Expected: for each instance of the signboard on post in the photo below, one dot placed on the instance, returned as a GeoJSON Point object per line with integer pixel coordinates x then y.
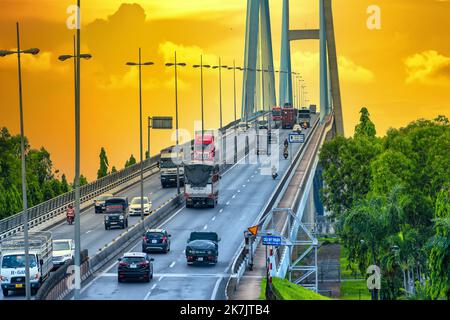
{"type": "Point", "coordinates": [162, 122]}
{"type": "Point", "coordinates": [271, 241]}
{"type": "Point", "coordinates": [296, 138]}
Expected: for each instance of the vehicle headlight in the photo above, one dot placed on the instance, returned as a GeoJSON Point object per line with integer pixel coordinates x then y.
{"type": "Point", "coordinates": [106, 218]}
{"type": "Point", "coordinates": [121, 217]}
{"type": "Point", "coordinates": [209, 252]}
{"type": "Point", "coordinates": [68, 255]}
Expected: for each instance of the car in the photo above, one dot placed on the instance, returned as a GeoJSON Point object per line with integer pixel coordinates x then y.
{"type": "Point", "coordinates": [135, 266]}
{"type": "Point", "coordinates": [135, 206]}
{"type": "Point", "coordinates": [297, 128]}
{"type": "Point", "coordinates": [156, 239]}
{"type": "Point", "coordinates": [263, 124]}
{"type": "Point", "coordinates": [202, 247]}
{"type": "Point", "coordinates": [116, 213]}
{"type": "Point", "coordinates": [99, 202]}
{"type": "Point", "coordinates": [63, 252]}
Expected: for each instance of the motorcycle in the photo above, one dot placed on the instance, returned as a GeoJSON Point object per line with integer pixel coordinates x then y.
{"type": "Point", "coordinates": [285, 153]}
{"type": "Point", "coordinates": [274, 173]}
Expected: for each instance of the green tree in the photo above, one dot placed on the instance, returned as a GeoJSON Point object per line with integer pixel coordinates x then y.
{"type": "Point", "coordinates": [83, 180]}
{"type": "Point", "coordinates": [439, 256]}
{"type": "Point", "coordinates": [365, 128]}
{"type": "Point", "coordinates": [130, 162]}
{"type": "Point", "coordinates": [64, 185]}
{"type": "Point", "coordinates": [113, 170]}
{"type": "Point", "coordinates": [103, 170]}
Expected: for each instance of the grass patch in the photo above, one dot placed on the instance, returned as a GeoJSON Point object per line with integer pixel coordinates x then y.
{"type": "Point", "coordinates": [328, 240]}
{"type": "Point", "coordinates": [286, 290]}
{"type": "Point", "coordinates": [354, 290]}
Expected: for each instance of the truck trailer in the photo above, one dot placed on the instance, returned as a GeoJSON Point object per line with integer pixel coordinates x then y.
{"type": "Point", "coordinates": [201, 185]}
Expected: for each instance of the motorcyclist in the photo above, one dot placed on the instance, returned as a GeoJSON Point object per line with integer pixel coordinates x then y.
{"type": "Point", "coordinates": [285, 152]}
{"type": "Point", "coordinates": [286, 143]}
{"type": "Point", "coordinates": [70, 213]}
{"type": "Point", "coordinates": [274, 172]}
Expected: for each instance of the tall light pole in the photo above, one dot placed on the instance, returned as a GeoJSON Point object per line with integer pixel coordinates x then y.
{"type": "Point", "coordinates": [140, 64]}
{"type": "Point", "coordinates": [4, 53]}
{"type": "Point", "coordinates": [176, 64]}
{"type": "Point", "coordinates": [235, 111]}
{"type": "Point", "coordinates": [201, 66]}
{"type": "Point", "coordinates": [76, 58]}
{"type": "Point", "coordinates": [220, 66]}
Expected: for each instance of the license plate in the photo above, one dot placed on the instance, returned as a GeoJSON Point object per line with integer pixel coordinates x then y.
{"type": "Point", "coordinates": [133, 266]}
{"type": "Point", "coordinates": [154, 241]}
{"type": "Point", "coordinates": [113, 222]}
{"type": "Point", "coordinates": [200, 259]}
{"type": "Point", "coordinates": [19, 285]}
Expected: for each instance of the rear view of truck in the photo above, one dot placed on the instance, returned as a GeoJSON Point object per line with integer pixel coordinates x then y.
{"type": "Point", "coordinates": [201, 185]}
{"type": "Point", "coordinates": [12, 261]}
{"type": "Point", "coordinates": [168, 167]}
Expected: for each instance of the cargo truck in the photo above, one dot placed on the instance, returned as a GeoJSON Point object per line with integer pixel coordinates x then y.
{"type": "Point", "coordinates": [207, 147]}
{"type": "Point", "coordinates": [304, 118]}
{"type": "Point", "coordinates": [288, 117]}
{"type": "Point", "coordinates": [201, 185]}
{"type": "Point", "coordinates": [12, 261]}
{"type": "Point", "coordinates": [168, 167]}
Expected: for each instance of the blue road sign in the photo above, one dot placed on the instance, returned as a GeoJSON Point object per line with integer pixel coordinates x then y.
{"type": "Point", "coordinates": [271, 241]}
{"type": "Point", "coordinates": [296, 137]}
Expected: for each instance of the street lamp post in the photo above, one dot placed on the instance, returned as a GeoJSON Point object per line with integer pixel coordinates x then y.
{"type": "Point", "coordinates": [4, 53]}
{"type": "Point", "coordinates": [176, 64]}
{"type": "Point", "coordinates": [140, 64]}
{"type": "Point", "coordinates": [201, 66]}
{"type": "Point", "coordinates": [76, 58]}
{"type": "Point", "coordinates": [235, 111]}
{"type": "Point", "coordinates": [220, 66]}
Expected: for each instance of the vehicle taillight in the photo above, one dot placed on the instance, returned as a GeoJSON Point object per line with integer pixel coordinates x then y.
{"type": "Point", "coordinates": [145, 238]}
{"type": "Point", "coordinates": [143, 263]}
{"type": "Point", "coordinates": [186, 195]}
{"type": "Point", "coordinates": [123, 264]}
{"type": "Point", "coordinates": [164, 239]}
{"type": "Point", "coordinates": [211, 195]}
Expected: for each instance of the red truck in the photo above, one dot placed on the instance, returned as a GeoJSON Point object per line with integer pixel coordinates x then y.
{"type": "Point", "coordinates": [288, 115]}
{"type": "Point", "coordinates": [207, 147]}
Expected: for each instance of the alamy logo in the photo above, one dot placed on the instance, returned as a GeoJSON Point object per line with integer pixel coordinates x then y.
{"type": "Point", "coordinates": [374, 19]}
{"type": "Point", "coordinates": [374, 280]}
{"type": "Point", "coordinates": [71, 280]}
{"type": "Point", "coordinates": [73, 21]}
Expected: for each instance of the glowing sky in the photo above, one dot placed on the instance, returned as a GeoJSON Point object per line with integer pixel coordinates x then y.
{"type": "Point", "coordinates": [400, 73]}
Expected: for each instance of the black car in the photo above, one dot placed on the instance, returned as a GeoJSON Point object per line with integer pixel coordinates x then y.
{"type": "Point", "coordinates": [156, 239]}
{"type": "Point", "coordinates": [202, 247]}
{"type": "Point", "coordinates": [100, 202]}
{"type": "Point", "coordinates": [263, 124]}
{"type": "Point", "coordinates": [116, 212]}
{"type": "Point", "coordinates": [136, 266]}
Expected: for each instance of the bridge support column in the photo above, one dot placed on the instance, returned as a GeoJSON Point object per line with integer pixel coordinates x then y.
{"type": "Point", "coordinates": [285, 63]}
{"type": "Point", "coordinates": [324, 104]}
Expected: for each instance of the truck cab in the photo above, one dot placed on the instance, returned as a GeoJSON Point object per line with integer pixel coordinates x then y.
{"type": "Point", "coordinates": [168, 167]}
{"type": "Point", "coordinates": [12, 262]}
{"type": "Point", "coordinates": [116, 212]}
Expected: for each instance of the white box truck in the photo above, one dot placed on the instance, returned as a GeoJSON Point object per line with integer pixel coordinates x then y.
{"type": "Point", "coordinates": [201, 185]}
{"type": "Point", "coordinates": [12, 261]}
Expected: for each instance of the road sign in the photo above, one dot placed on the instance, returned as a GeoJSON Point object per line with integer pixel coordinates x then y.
{"type": "Point", "coordinates": [253, 230]}
{"type": "Point", "coordinates": [296, 138]}
{"type": "Point", "coordinates": [162, 122]}
{"type": "Point", "coordinates": [271, 241]}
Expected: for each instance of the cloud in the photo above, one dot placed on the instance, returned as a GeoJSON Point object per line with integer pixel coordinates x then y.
{"type": "Point", "coordinates": [348, 70]}
{"type": "Point", "coordinates": [35, 63]}
{"type": "Point", "coordinates": [129, 80]}
{"type": "Point", "coordinates": [428, 67]}
{"type": "Point", "coordinates": [189, 54]}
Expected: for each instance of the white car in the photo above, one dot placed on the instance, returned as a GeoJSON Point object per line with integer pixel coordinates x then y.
{"type": "Point", "coordinates": [135, 206]}
{"type": "Point", "coordinates": [63, 251]}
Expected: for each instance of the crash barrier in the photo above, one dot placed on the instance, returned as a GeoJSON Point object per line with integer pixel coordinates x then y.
{"type": "Point", "coordinates": [241, 261]}
{"type": "Point", "coordinates": [61, 287]}
{"type": "Point", "coordinates": [56, 282]}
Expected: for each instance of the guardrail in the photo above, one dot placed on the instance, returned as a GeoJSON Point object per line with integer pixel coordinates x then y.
{"type": "Point", "coordinates": [241, 261]}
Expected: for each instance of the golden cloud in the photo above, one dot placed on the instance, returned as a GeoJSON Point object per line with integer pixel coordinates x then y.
{"type": "Point", "coordinates": [35, 63]}
{"type": "Point", "coordinates": [428, 67]}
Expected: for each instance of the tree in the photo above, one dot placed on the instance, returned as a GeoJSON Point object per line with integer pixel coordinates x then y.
{"type": "Point", "coordinates": [83, 180]}
{"type": "Point", "coordinates": [130, 162]}
{"type": "Point", "coordinates": [64, 185]}
{"type": "Point", "coordinates": [439, 256]}
{"type": "Point", "coordinates": [113, 170]}
{"type": "Point", "coordinates": [103, 170]}
{"type": "Point", "coordinates": [365, 127]}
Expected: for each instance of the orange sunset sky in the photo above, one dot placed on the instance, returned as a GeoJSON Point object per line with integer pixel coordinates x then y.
{"type": "Point", "coordinates": [400, 72]}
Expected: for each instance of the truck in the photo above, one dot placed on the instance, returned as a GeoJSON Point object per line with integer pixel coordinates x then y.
{"type": "Point", "coordinates": [313, 108]}
{"type": "Point", "coordinates": [168, 167]}
{"type": "Point", "coordinates": [12, 261]}
{"type": "Point", "coordinates": [202, 247]}
{"type": "Point", "coordinates": [201, 184]}
{"type": "Point", "coordinates": [207, 146]}
{"type": "Point", "coordinates": [304, 117]}
{"type": "Point", "coordinates": [288, 117]}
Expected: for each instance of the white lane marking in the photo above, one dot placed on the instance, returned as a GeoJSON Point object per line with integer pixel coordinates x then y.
{"type": "Point", "coordinates": [160, 278]}
{"type": "Point", "coordinates": [228, 203]}
{"type": "Point", "coordinates": [252, 176]}
{"type": "Point", "coordinates": [88, 231]}
{"type": "Point", "coordinates": [205, 227]}
{"type": "Point", "coordinates": [216, 287]}
{"type": "Point", "coordinates": [234, 196]}
{"type": "Point", "coordinates": [147, 295]}
{"type": "Point", "coordinates": [172, 264]}
{"type": "Point", "coordinates": [213, 218]}
{"type": "Point", "coordinates": [221, 210]}
{"type": "Point", "coordinates": [154, 286]}
{"type": "Point", "coordinates": [244, 185]}
{"type": "Point", "coordinates": [248, 180]}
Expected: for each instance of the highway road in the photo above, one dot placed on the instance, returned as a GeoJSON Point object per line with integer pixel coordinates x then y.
{"type": "Point", "coordinates": [244, 192]}
{"type": "Point", "coordinates": [242, 186]}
